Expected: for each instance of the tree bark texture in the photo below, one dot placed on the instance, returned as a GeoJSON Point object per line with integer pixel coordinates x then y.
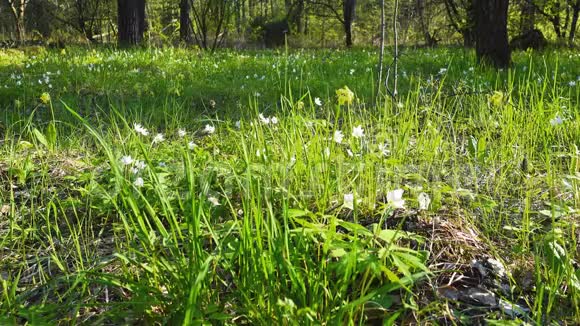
{"type": "Point", "coordinates": [348, 11]}
{"type": "Point", "coordinates": [185, 33]}
{"type": "Point", "coordinates": [130, 21]}
{"type": "Point", "coordinates": [492, 45]}
{"type": "Point", "coordinates": [574, 23]}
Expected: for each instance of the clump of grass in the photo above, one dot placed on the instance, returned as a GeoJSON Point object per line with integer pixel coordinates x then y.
{"type": "Point", "coordinates": [280, 202]}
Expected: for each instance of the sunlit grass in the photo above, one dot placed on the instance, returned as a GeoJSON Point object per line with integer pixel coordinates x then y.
{"type": "Point", "coordinates": [167, 186]}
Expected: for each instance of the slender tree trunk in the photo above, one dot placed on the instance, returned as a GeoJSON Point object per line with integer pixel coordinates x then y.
{"type": "Point", "coordinates": [555, 20]}
{"type": "Point", "coordinates": [469, 31]}
{"type": "Point", "coordinates": [528, 16]}
{"type": "Point", "coordinates": [299, 16]}
{"type": "Point", "coordinates": [185, 22]}
{"type": "Point", "coordinates": [348, 10]}
{"type": "Point", "coordinates": [18, 8]}
{"type": "Point", "coordinates": [574, 23]}
{"type": "Point", "coordinates": [382, 49]}
{"type": "Point", "coordinates": [429, 39]}
{"type": "Point", "coordinates": [130, 21]}
{"type": "Point", "coordinates": [238, 17]}
{"type": "Point", "coordinates": [491, 32]}
{"type": "Point", "coordinates": [396, 53]}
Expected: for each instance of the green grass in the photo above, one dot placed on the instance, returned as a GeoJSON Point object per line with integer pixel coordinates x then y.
{"type": "Point", "coordinates": [253, 223]}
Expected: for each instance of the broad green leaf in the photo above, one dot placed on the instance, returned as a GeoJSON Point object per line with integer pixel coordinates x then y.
{"type": "Point", "coordinates": [40, 137]}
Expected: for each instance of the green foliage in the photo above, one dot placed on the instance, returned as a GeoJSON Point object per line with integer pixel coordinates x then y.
{"type": "Point", "coordinates": [235, 200]}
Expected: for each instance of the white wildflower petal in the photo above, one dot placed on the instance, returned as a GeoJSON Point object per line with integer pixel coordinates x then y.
{"type": "Point", "coordinates": [338, 136]}
{"type": "Point", "coordinates": [191, 145]}
{"type": "Point", "coordinates": [263, 119]}
{"type": "Point", "coordinates": [384, 149]}
{"type": "Point", "coordinates": [317, 101]}
{"type": "Point", "coordinates": [140, 130]}
{"type": "Point", "coordinates": [556, 121]}
{"type": "Point", "coordinates": [424, 201]}
{"type": "Point", "coordinates": [395, 198]}
{"type": "Point", "coordinates": [348, 201]}
{"type": "Point", "coordinates": [181, 133]}
{"type": "Point", "coordinates": [209, 129]}
{"type": "Point", "coordinates": [140, 165]}
{"type": "Point", "coordinates": [358, 132]}
{"type": "Point", "coordinates": [127, 160]}
{"type": "Point", "coordinates": [274, 120]}
{"type": "Point", "coordinates": [158, 138]}
{"type": "Point", "coordinates": [139, 182]}
{"type": "Point", "coordinates": [214, 201]}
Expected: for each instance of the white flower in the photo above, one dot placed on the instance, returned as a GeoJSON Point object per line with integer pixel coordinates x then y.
{"type": "Point", "coordinates": [191, 145]}
{"type": "Point", "coordinates": [348, 201]}
{"type": "Point", "coordinates": [349, 152]}
{"type": "Point", "coordinates": [214, 201]}
{"type": "Point", "coordinates": [140, 130]}
{"type": "Point", "coordinates": [383, 148]}
{"type": "Point", "coordinates": [209, 129]}
{"type": "Point", "coordinates": [424, 201]}
{"type": "Point", "coordinates": [317, 101]}
{"type": "Point", "coordinates": [274, 120]}
{"type": "Point", "coordinates": [358, 132]}
{"type": "Point", "coordinates": [572, 83]}
{"type": "Point", "coordinates": [400, 105]}
{"type": "Point", "coordinates": [139, 182]}
{"type": "Point", "coordinates": [395, 198]}
{"type": "Point", "coordinates": [293, 159]}
{"type": "Point", "coordinates": [338, 136]}
{"type": "Point", "coordinates": [158, 138]}
{"type": "Point", "coordinates": [263, 119]}
{"type": "Point", "coordinates": [181, 133]}
{"type": "Point", "coordinates": [140, 165]}
{"type": "Point", "coordinates": [134, 170]}
{"type": "Point", "coordinates": [127, 160]}
{"type": "Point", "coordinates": [238, 124]}
{"type": "Point", "coordinates": [442, 71]}
{"type": "Point", "coordinates": [556, 121]}
{"type": "Point", "coordinates": [351, 71]}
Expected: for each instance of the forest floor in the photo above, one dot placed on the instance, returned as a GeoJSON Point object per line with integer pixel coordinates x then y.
{"type": "Point", "coordinates": [168, 186]}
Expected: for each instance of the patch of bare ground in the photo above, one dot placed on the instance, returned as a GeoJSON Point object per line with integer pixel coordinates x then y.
{"type": "Point", "coordinates": [470, 281]}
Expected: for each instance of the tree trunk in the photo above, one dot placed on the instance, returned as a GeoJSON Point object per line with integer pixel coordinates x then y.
{"type": "Point", "coordinates": [18, 8]}
{"type": "Point", "coordinates": [131, 21]}
{"type": "Point", "coordinates": [491, 32]}
{"type": "Point", "coordinates": [574, 23]}
{"type": "Point", "coordinates": [348, 11]}
{"type": "Point", "coordinates": [185, 22]}
{"type": "Point", "coordinates": [429, 39]}
{"type": "Point", "coordinates": [20, 32]}
{"type": "Point", "coordinates": [528, 16]}
{"type": "Point", "coordinates": [469, 30]}
{"type": "Point", "coordinates": [299, 15]}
